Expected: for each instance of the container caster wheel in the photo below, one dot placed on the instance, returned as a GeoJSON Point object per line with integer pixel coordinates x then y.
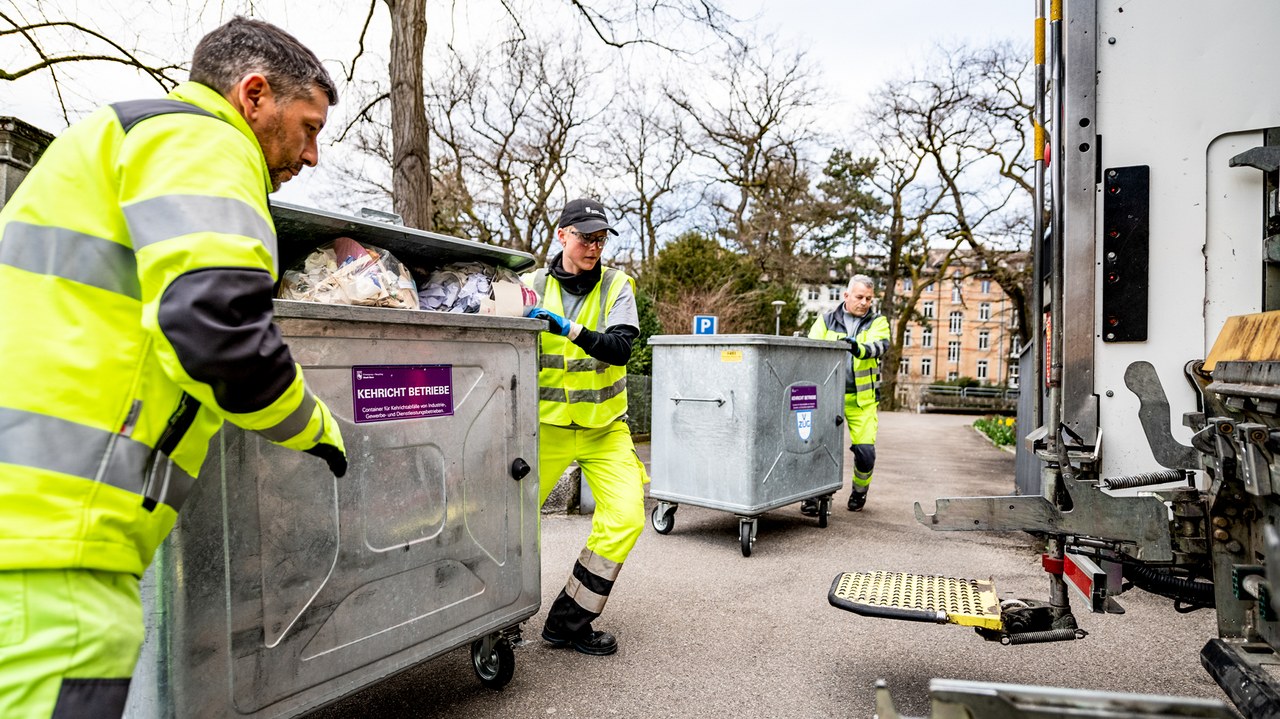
{"type": "Point", "coordinates": [663, 518]}
{"type": "Point", "coordinates": [494, 660]}
{"type": "Point", "coordinates": [824, 511]}
{"type": "Point", "coordinates": [747, 535]}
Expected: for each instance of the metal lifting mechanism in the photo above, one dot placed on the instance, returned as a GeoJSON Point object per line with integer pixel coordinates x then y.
{"type": "Point", "coordinates": [1198, 520]}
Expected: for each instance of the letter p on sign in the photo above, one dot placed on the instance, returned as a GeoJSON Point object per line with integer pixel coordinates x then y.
{"type": "Point", "coordinates": [704, 324]}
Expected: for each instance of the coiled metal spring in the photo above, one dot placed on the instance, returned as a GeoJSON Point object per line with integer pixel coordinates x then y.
{"type": "Point", "coordinates": [1144, 479]}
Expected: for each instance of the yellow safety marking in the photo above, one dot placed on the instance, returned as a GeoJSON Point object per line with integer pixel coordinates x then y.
{"type": "Point", "coordinates": [731, 355]}
{"type": "Point", "coordinates": [1039, 41]}
{"type": "Point", "coordinates": [1055, 10]}
{"type": "Point", "coordinates": [1038, 142]}
{"type": "Point", "coordinates": [967, 602]}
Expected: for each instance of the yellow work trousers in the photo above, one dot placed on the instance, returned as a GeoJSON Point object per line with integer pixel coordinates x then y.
{"type": "Point", "coordinates": [69, 639]}
{"type": "Point", "coordinates": [863, 423]}
{"type": "Point", "coordinates": [611, 469]}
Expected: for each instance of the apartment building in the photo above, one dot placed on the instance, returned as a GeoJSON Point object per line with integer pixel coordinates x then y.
{"type": "Point", "coordinates": [964, 325]}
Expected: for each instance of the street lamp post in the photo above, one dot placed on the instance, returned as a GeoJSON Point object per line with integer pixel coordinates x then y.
{"type": "Point", "coordinates": [777, 315]}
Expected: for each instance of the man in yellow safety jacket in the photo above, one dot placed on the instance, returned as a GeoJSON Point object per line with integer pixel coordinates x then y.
{"type": "Point", "coordinates": [867, 333]}
{"type": "Point", "coordinates": [582, 387]}
{"type": "Point", "coordinates": [141, 252]}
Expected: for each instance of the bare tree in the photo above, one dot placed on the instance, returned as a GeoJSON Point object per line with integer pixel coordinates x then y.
{"type": "Point", "coordinates": [647, 143]}
{"type": "Point", "coordinates": [617, 23]}
{"type": "Point", "coordinates": [757, 141]}
{"type": "Point", "coordinates": [44, 40]}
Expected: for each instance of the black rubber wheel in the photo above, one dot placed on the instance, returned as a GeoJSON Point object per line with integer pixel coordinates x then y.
{"type": "Point", "coordinates": [495, 667]}
{"type": "Point", "coordinates": [744, 535]}
{"type": "Point", "coordinates": [824, 511]}
{"type": "Point", "coordinates": [663, 522]}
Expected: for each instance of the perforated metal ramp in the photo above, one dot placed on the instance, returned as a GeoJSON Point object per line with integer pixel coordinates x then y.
{"type": "Point", "coordinates": [918, 598]}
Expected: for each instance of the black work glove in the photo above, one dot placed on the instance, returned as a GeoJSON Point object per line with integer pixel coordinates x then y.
{"type": "Point", "coordinates": [331, 454]}
{"type": "Point", "coordinates": [856, 347]}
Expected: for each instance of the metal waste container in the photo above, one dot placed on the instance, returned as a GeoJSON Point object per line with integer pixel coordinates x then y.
{"type": "Point", "coordinates": [282, 588]}
{"type": "Point", "coordinates": [745, 424]}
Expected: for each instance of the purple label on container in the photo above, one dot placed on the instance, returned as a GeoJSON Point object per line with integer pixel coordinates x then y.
{"type": "Point", "coordinates": [381, 393]}
{"type": "Point", "coordinates": [804, 396]}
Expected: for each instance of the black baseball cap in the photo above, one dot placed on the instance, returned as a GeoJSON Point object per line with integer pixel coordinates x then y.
{"type": "Point", "coordinates": [585, 215]}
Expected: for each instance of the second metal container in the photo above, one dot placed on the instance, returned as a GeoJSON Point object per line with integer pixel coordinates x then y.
{"type": "Point", "coordinates": [746, 424]}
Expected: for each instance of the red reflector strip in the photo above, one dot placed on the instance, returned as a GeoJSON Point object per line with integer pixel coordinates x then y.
{"type": "Point", "coordinates": [1051, 565]}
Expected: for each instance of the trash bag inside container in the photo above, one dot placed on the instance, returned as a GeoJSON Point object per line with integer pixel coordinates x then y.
{"type": "Point", "coordinates": [475, 288]}
{"type": "Point", "coordinates": [345, 272]}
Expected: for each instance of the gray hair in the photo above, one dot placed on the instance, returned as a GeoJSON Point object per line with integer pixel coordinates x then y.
{"type": "Point", "coordinates": [861, 280]}
{"type": "Point", "coordinates": [243, 46]}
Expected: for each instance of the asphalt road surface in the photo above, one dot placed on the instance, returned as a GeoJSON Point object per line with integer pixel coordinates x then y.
{"type": "Point", "coordinates": [706, 632]}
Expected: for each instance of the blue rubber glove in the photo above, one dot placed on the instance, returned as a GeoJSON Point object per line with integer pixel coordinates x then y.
{"type": "Point", "coordinates": [556, 324]}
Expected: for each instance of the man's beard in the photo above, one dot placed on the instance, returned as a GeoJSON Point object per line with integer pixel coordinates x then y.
{"type": "Point", "coordinates": [274, 134]}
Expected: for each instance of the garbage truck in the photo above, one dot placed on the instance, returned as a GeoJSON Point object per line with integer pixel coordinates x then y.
{"type": "Point", "coordinates": [1148, 447]}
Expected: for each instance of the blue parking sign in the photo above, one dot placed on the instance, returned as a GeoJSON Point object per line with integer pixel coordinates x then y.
{"type": "Point", "coordinates": [704, 324]}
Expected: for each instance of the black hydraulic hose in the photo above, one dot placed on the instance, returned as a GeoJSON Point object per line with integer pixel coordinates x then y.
{"type": "Point", "coordinates": [1182, 589]}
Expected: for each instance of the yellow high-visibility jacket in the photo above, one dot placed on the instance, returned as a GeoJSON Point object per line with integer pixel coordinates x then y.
{"type": "Point", "coordinates": [862, 375]}
{"type": "Point", "coordinates": [137, 263]}
{"type": "Point", "coordinates": [575, 389]}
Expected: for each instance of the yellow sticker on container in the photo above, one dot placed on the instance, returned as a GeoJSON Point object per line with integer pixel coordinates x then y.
{"type": "Point", "coordinates": [730, 355]}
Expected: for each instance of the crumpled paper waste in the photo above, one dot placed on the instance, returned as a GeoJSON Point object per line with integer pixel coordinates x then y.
{"type": "Point", "coordinates": [475, 288]}
{"type": "Point", "coordinates": [345, 272]}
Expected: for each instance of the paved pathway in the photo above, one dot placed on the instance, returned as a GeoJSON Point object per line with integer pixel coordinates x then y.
{"type": "Point", "coordinates": [705, 632]}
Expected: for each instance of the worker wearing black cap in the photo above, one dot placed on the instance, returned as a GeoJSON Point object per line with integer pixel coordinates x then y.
{"type": "Point", "coordinates": [592, 322]}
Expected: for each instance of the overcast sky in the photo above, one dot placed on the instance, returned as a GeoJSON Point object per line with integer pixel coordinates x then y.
{"type": "Point", "coordinates": [856, 45]}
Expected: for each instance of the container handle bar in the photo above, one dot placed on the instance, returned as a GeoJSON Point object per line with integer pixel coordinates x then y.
{"type": "Point", "coordinates": [718, 400]}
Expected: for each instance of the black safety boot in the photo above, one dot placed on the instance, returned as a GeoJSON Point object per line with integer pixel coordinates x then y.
{"type": "Point", "coordinates": [857, 500]}
{"type": "Point", "coordinates": [591, 642]}
{"type": "Point", "coordinates": [809, 507]}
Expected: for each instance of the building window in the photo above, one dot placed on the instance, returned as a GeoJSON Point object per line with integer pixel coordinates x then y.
{"type": "Point", "coordinates": [953, 351]}
{"type": "Point", "coordinates": [926, 309]}
{"type": "Point", "coordinates": [926, 337]}
{"type": "Point", "coordinates": [926, 366]}
{"type": "Point", "coordinates": [955, 292]}
{"type": "Point", "coordinates": [833, 292]}
{"type": "Point", "coordinates": [956, 320]}
{"type": "Point", "coordinates": [984, 340]}
{"type": "Point", "coordinates": [1017, 345]}
{"type": "Point", "coordinates": [984, 311]}
{"type": "Point", "coordinates": [952, 376]}
{"type": "Point", "coordinates": [906, 337]}
{"type": "Point", "coordinates": [904, 366]}
{"type": "Point", "coordinates": [928, 289]}
{"type": "Point", "coordinates": [1013, 376]}
{"type": "Point", "coordinates": [982, 370]}
{"type": "Point", "coordinates": [906, 284]}
{"type": "Point", "coordinates": [986, 287]}
{"type": "Point", "coordinates": [813, 294]}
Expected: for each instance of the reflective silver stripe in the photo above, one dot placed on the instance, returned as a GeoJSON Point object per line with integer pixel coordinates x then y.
{"type": "Point", "coordinates": [551, 361]}
{"type": "Point", "coordinates": [585, 365]}
{"type": "Point", "coordinates": [28, 439]}
{"type": "Point", "coordinates": [293, 424]}
{"type": "Point", "coordinates": [551, 394]}
{"type": "Point", "coordinates": [170, 484]}
{"type": "Point", "coordinates": [169, 216]}
{"type": "Point", "coordinates": [585, 598]}
{"type": "Point", "coordinates": [863, 373]}
{"type": "Point", "coordinates": [598, 396]}
{"type": "Point", "coordinates": [599, 566]}
{"type": "Point", "coordinates": [70, 255]}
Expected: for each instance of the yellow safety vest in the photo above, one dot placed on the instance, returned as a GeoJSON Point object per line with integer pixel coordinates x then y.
{"type": "Point", "coordinates": [102, 427]}
{"type": "Point", "coordinates": [575, 389]}
{"type": "Point", "coordinates": [866, 371]}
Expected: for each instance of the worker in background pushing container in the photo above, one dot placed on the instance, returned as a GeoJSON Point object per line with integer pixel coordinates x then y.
{"type": "Point", "coordinates": [141, 251]}
{"type": "Point", "coordinates": [592, 322]}
{"type": "Point", "coordinates": [867, 333]}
